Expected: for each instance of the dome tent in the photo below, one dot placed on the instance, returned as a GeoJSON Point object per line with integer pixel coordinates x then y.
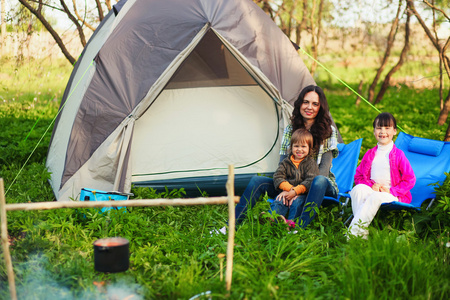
{"type": "Point", "coordinates": [169, 93]}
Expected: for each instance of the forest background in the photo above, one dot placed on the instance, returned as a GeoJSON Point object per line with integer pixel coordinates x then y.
{"type": "Point", "coordinates": [367, 55]}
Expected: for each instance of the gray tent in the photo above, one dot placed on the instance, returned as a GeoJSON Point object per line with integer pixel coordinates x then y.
{"type": "Point", "coordinates": [170, 92]}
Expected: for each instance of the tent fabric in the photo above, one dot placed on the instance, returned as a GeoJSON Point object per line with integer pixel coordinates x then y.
{"type": "Point", "coordinates": [141, 53]}
{"type": "Point", "coordinates": [77, 85]}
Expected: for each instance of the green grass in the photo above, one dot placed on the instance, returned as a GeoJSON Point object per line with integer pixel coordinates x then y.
{"type": "Point", "coordinates": [172, 255]}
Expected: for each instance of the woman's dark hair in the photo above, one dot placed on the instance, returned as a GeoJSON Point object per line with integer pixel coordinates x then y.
{"type": "Point", "coordinates": [385, 119]}
{"type": "Point", "coordinates": [321, 129]}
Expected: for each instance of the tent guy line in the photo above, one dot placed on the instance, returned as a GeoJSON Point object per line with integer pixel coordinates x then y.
{"type": "Point", "coordinates": [84, 73]}
{"type": "Point", "coordinates": [345, 84]}
{"type": "Point", "coordinates": [45, 132]}
{"type": "Point", "coordinates": [37, 121]}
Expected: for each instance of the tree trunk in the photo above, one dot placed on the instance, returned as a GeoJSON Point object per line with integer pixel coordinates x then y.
{"type": "Point", "coordinates": [390, 43]}
{"type": "Point", "coordinates": [74, 21]}
{"type": "Point", "coordinates": [291, 17]}
{"type": "Point", "coordinates": [315, 37]}
{"type": "Point", "coordinates": [3, 28]}
{"type": "Point", "coordinates": [358, 99]}
{"type": "Point", "coordinates": [99, 10]}
{"type": "Point", "coordinates": [444, 111]}
{"type": "Point", "coordinates": [447, 134]}
{"type": "Point", "coordinates": [445, 106]}
{"type": "Point", "coordinates": [400, 62]}
{"type": "Point", "coordinates": [302, 25]}
{"type": "Point", "coordinates": [443, 115]}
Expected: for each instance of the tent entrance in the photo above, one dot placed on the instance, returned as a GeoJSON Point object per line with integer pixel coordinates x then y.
{"type": "Point", "coordinates": [211, 114]}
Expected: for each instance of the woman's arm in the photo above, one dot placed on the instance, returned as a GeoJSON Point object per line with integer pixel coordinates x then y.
{"type": "Point", "coordinates": [328, 150]}
{"type": "Point", "coordinates": [285, 141]}
{"type": "Point", "coordinates": [325, 164]}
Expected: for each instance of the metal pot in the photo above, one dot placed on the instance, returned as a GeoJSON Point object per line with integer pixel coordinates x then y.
{"type": "Point", "coordinates": [111, 255]}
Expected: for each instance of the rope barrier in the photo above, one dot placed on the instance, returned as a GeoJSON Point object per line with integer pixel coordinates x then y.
{"type": "Point", "coordinates": [345, 84]}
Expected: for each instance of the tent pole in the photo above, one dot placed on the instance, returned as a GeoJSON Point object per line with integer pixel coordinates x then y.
{"type": "Point", "coordinates": [5, 243]}
{"type": "Point", "coordinates": [231, 226]}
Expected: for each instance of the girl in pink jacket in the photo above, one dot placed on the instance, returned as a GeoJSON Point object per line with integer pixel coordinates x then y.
{"type": "Point", "coordinates": [384, 175]}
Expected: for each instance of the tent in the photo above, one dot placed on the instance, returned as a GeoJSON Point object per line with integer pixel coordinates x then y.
{"type": "Point", "coordinates": [169, 93]}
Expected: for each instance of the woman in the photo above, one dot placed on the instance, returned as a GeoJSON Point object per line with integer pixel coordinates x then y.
{"type": "Point", "coordinates": [312, 113]}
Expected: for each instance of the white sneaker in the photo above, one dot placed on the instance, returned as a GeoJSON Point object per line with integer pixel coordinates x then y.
{"type": "Point", "coordinates": [222, 230]}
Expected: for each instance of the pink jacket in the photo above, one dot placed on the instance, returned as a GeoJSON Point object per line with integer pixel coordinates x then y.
{"type": "Point", "coordinates": [402, 174]}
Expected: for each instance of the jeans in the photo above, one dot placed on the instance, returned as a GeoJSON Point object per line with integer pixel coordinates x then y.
{"type": "Point", "coordinates": [281, 209]}
{"type": "Point", "coordinates": [320, 187]}
{"type": "Point", "coordinates": [258, 185]}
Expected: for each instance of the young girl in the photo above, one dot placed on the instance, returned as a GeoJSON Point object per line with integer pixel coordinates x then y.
{"type": "Point", "coordinates": [384, 175]}
{"type": "Point", "coordinates": [294, 175]}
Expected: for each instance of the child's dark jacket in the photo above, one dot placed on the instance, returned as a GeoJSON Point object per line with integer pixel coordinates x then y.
{"type": "Point", "coordinates": [304, 175]}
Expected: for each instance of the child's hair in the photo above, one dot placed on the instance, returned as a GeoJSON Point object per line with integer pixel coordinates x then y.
{"type": "Point", "coordinates": [385, 119]}
{"type": "Point", "coordinates": [302, 136]}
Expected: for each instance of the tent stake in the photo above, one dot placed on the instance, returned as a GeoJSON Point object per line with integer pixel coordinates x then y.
{"type": "Point", "coordinates": [231, 226]}
{"type": "Point", "coordinates": [5, 243]}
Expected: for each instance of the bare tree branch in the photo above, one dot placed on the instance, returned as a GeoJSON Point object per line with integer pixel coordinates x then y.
{"type": "Point", "coordinates": [83, 20]}
{"type": "Point", "coordinates": [74, 21]}
{"type": "Point", "coordinates": [99, 10]}
{"type": "Point", "coordinates": [49, 27]}
{"type": "Point", "coordinates": [436, 8]}
{"type": "Point", "coordinates": [302, 25]}
{"type": "Point", "coordinates": [108, 4]}
{"type": "Point", "coordinates": [387, 53]}
{"type": "Point", "coordinates": [399, 64]}
{"type": "Point", "coordinates": [46, 4]}
{"type": "Point", "coordinates": [444, 60]}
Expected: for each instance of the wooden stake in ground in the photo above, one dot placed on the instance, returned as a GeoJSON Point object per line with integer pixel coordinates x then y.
{"type": "Point", "coordinates": [231, 225]}
{"type": "Point", "coordinates": [230, 199]}
{"type": "Point", "coordinates": [5, 243]}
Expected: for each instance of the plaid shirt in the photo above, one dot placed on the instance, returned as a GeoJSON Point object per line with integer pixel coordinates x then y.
{"type": "Point", "coordinates": [330, 144]}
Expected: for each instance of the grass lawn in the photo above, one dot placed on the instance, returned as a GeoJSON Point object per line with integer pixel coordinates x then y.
{"type": "Point", "coordinates": [173, 256]}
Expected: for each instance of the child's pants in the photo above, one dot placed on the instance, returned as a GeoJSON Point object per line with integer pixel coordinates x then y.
{"type": "Point", "coordinates": [281, 209]}
{"type": "Point", "coordinates": [365, 205]}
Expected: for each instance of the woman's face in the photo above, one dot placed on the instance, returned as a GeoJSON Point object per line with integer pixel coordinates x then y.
{"type": "Point", "coordinates": [310, 106]}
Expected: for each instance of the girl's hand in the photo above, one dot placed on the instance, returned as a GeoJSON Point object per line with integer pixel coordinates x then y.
{"type": "Point", "coordinates": [384, 189]}
{"type": "Point", "coordinates": [376, 187]}
{"type": "Point", "coordinates": [288, 203]}
{"type": "Point", "coordinates": [287, 197]}
{"type": "Point", "coordinates": [282, 196]}
{"type": "Point", "coordinates": [291, 195]}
